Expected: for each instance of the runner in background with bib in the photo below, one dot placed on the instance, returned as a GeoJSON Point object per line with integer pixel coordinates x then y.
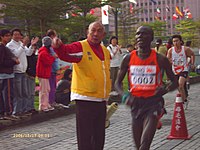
{"type": "Point", "coordinates": [144, 67]}
{"type": "Point", "coordinates": [178, 56]}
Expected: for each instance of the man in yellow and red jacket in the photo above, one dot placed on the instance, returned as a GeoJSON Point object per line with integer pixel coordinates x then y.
{"type": "Point", "coordinates": [90, 84]}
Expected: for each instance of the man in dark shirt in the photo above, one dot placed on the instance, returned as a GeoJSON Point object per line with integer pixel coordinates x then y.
{"type": "Point", "coordinates": [7, 61]}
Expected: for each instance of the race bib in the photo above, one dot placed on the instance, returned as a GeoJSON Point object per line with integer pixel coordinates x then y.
{"type": "Point", "coordinates": [143, 77]}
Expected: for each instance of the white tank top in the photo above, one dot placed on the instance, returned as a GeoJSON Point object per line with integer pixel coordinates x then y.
{"type": "Point", "coordinates": [179, 61]}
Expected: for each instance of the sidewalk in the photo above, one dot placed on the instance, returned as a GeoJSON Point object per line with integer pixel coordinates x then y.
{"type": "Point", "coordinates": [61, 131]}
{"type": "Point", "coordinates": [118, 136]}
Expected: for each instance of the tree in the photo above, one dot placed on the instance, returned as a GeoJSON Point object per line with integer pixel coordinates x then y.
{"type": "Point", "coordinates": [189, 30]}
{"type": "Point", "coordinates": [159, 28]}
{"type": "Point", "coordinates": [115, 6]}
{"type": "Point", "coordinates": [34, 15]}
{"type": "Point", "coordinates": [127, 21]}
{"type": "Point", "coordinates": [73, 27]}
{"type": "Point", "coordinates": [82, 8]}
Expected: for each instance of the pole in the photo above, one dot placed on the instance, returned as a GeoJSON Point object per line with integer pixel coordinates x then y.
{"type": "Point", "coordinates": [116, 21]}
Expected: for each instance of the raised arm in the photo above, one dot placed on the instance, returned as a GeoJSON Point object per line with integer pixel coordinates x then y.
{"type": "Point", "coordinates": [68, 52]}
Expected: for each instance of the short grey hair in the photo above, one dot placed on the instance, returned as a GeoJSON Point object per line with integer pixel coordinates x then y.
{"type": "Point", "coordinates": [96, 22]}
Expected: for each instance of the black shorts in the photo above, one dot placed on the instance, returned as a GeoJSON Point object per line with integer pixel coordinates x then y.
{"type": "Point", "coordinates": [183, 74]}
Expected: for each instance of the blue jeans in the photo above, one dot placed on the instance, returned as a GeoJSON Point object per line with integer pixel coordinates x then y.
{"type": "Point", "coordinates": [20, 93]}
{"type": "Point", "coordinates": [31, 92]}
{"type": "Point", "coordinates": [6, 96]}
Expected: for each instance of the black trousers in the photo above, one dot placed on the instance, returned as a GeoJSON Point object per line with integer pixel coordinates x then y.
{"type": "Point", "coordinates": [90, 123]}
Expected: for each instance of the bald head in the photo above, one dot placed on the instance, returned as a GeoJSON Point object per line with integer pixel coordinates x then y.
{"type": "Point", "coordinates": [144, 36]}
{"type": "Point", "coordinates": [146, 29]}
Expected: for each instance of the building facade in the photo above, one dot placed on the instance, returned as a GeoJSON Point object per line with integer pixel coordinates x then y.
{"type": "Point", "coordinates": [170, 11]}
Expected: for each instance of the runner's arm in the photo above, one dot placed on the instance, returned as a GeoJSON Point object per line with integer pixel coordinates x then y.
{"type": "Point", "coordinates": [121, 74]}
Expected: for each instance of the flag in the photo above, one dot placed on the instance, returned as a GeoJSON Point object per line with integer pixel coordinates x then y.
{"type": "Point", "coordinates": [133, 1]}
{"type": "Point", "coordinates": [158, 10]}
{"type": "Point", "coordinates": [154, 2]}
{"type": "Point", "coordinates": [131, 8]}
{"type": "Point", "coordinates": [178, 11]}
{"type": "Point", "coordinates": [186, 10]}
{"type": "Point", "coordinates": [165, 18]}
{"type": "Point", "coordinates": [74, 15]}
{"type": "Point", "coordinates": [105, 13]}
{"type": "Point", "coordinates": [167, 8]}
{"type": "Point", "coordinates": [175, 16]}
{"type": "Point", "coordinates": [189, 15]}
{"type": "Point", "coordinates": [157, 18]}
{"type": "Point", "coordinates": [92, 11]}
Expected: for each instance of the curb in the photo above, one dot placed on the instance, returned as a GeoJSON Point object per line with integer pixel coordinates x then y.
{"type": "Point", "coordinates": [36, 118]}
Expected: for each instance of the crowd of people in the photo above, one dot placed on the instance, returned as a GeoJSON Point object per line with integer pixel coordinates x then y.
{"type": "Point", "coordinates": [20, 63]}
{"type": "Point", "coordinates": [98, 73]}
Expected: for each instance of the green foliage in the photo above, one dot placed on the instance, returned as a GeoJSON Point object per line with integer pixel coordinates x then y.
{"type": "Point", "coordinates": [159, 28]}
{"type": "Point", "coordinates": [127, 20]}
{"type": "Point", "coordinates": [74, 27]}
{"type": "Point", "coordinates": [34, 16]}
{"type": "Point", "coordinates": [187, 29]}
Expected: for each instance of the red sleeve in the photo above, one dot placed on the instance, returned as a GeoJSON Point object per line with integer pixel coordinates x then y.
{"type": "Point", "coordinates": [70, 52]}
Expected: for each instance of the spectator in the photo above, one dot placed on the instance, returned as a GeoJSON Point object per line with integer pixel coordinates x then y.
{"type": "Point", "coordinates": [55, 67]}
{"type": "Point", "coordinates": [129, 48]}
{"type": "Point", "coordinates": [63, 89]}
{"type": "Point", "coordinates": [161, 49]}
{"type": "Point", "coordinates": [7, 62]}
{"type": "Point", "coordinates": [43, 72]}
{"type": "Point", "coordinates": [31, 74]}
{"type": "Point", "coordinates": [116, 55]}
{"type": "Point", "coordinates": [169, 44]}
{"type": "Point", "coordinates": [178, 57]}
{"type": "Point", "coordinates": [18, 46]}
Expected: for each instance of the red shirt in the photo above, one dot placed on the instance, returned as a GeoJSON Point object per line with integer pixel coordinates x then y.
{"type": "Point", "coordinates": [144, 75]}
{"type": "Point", "coordinates": [44, 63]}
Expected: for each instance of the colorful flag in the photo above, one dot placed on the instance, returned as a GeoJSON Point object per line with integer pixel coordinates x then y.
{"type": "Point", "coordinates": [167, 8]}
{"type": "Point", "coordinates": [133, 1]}
{"type": "Point", "coordinates": [189, 15]}
{"type": "Point", "coordinates": [131, 8]}
{"type": "Point", "coordinates": [175, 16]}
{"type": "Point", "coordinates": [105, 13]}
{"type": "Point", "coordinates": [178, 11]}
{"type": "Point", "coordinates": [158, 10]}
{"type": "Point", "coordinates": [157, 18]}
{"type": "Point", "coordinates": [74, 15]}
{"type": "Point", "coordinates": [154, 2]}
{"type": "Point", "coordinates": [92, 11]}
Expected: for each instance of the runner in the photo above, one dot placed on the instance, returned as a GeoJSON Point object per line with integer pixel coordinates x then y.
{"type": "Point", "coordinates": [146, 88]}
{"type": "Point", "coordinates": [178, 55]}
